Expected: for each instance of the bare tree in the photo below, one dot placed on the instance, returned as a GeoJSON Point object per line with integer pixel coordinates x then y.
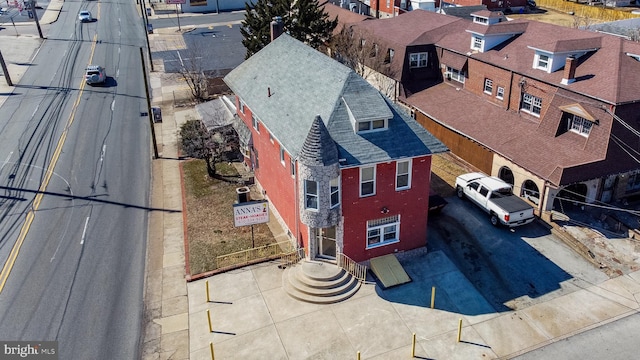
{"type": "Point", "coordinates": [367, 58]}
{"type": "Point", "coordinates": [191, 62]}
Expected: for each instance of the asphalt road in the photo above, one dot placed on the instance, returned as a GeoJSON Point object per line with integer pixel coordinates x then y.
{"type": "Point", "coordinates": [80, 227]}
{"type": "Point", "coordinates": [617, 340]}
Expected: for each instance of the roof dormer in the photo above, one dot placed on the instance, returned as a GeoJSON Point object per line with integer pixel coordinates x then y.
{"type": "Point", "coordinates": [486, 17]}
{"type": "Point", "coordinates": [367, 109]}
{"type": "Point", "coordinates": [553, 56]}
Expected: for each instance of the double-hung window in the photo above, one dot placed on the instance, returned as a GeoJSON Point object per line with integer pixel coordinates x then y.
{"type": "Point", "coordinates": [311, 194]}
{"type": "Point", "coordinates": [256, 122]}
{"type": "Point", "coordinates": [335, 191]}
{"type": "Point", "coordinates": [531, 104]}
{"type": "Point", "coordinates": [500, 93]}
{"type": "Point", "coordinates": [383, 231]}
{"type": "Point", "coordinates": [477, 43]}
{"type": "Point", "coordinates": [282, 155]}
{"type": "Point", "coordinates": [488, 86]}
{"type": "Point", "coordinates": [367, 181]}
{"type": "Point", "coordinates": [403, 175]}
{"type": "Point", "coordinates": [543, 62]}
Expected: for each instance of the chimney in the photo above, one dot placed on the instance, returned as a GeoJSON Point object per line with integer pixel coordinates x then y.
{"type": "Point", "coordinates": [569, 70]}
{"type": "Point", "coordinates": [277, 27]}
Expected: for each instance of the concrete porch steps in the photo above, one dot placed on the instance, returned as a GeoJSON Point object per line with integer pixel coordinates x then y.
{"type": "Point", "coordinates": [319, 282]}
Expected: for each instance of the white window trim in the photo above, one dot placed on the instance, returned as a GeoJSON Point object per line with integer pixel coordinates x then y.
{"type": "Point", "coordinates": [374, 181]}
{"type": "Point", "coordinates": [421, 59]}
{"type": "Point", "coordinates": [530, 111]}
{"type": "Point", "coordinates": [488, 83]}
{"type": "Point", "coordinates": [381, 227]}
{"type": "Point", "coordinates": [477, 42]}
{"type": "Point", "coordinates": [537, 60]}
{"type": "Point", "coordinates": [333, 192]}
{"type": "Point", "coordinates": [455, 74]}
{"type": "Point", "coordinates": [371, 129]}
{"type": "Point", "coordinates": [242, 105]}
{"type": "Point", "coordinates": [293, 168]}
{"type": "Point", "coordinates": [282, 156]}
{"type": "Point", "coordinates": [307, 194]}
{"type": "Point", "coordinates": [582, 121]}
{"type": "Point", "coordinates": [255, 122]}
{"type": "Point", "coordinates": [500, 93]}
{"type": "Point", "coordinates": [409, 162]}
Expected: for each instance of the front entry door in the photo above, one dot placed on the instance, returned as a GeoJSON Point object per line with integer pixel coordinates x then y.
{"type": "Point", "coordinates": [326, 238]}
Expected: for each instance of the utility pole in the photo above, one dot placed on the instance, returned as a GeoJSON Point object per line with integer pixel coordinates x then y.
{"type": "Point", "coordinates": [150, 113]}
{"type": "Point", "coordinates": [32, 5]}
{"type": "Point", "coordinates": [5, 71]}
{"type": "Point", "coordinates": [145, 23]}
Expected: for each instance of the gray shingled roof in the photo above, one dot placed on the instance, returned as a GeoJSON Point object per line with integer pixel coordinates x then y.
{"type": "Point", "coordinates": [319, 149]}
{"type": "Point", "coordinates": [287, 84]}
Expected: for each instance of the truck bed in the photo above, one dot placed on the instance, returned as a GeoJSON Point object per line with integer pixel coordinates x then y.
{"type": "Point", "coordinates": [511, 203]}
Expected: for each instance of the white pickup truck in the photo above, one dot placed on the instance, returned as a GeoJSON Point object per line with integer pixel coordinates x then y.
{"type": "Point", "coordinates": [496, 198]}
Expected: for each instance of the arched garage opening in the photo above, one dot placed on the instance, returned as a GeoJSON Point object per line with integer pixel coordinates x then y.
{"type": "Point", "coordinates": [530, 191]}
{"type": "Point", "coordinates": [570, 198]}
{"type": "Point", "coordinates": [506, 174]}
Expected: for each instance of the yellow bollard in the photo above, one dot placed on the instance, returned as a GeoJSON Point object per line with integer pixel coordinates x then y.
{"type": "Point", "coordinates": [211, 347]}
{"type": "Point", "coordinates": [211, 328]}
{"type": "Point", "coordinates": [206, 283]}
{"type": "Point", "coordinates": [413, 346]}
{"type": "Point", "coordinates": [459, 329]}
{"type": "Point", "coordinates": [358, 355]}
{"type": "Point", "coordinates": [433, 296]}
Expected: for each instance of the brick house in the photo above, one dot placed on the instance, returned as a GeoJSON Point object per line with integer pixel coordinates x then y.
{"type": "Point", "coordinates": [345, 170]}
{"type": "Point", "coordinates": [552, 110]}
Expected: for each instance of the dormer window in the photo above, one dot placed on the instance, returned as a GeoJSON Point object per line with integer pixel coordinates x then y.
{"type": "Point", "coordinates": [480, 20]}
{"type": "Point", "coordinates": [417, 60]}
{"type": "Point", "coordinates": [372, 125]}
{"type": "Point", "coordinates": [579, 125]}
{"type": "Point", "coordinates": [477, 42]}
{"type": "Point", "coordinates": [542, 62]}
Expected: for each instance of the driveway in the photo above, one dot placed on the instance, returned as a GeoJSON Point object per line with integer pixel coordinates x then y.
{"type": "Point", "coordinates": [511, 268]}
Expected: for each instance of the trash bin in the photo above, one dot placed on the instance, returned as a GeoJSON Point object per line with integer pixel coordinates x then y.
{"type": "Point", "coordinates": [157, 114]}
{"type": "Point", "coordinates": [148, 11]}
{"type": "Point", "coordinates": [243, 194]}
{"type": "Point", "coordinates": [149, 28]}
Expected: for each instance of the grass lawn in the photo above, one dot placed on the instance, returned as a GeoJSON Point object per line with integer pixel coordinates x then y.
{"type": "Point", "coordinates": [210, 229]}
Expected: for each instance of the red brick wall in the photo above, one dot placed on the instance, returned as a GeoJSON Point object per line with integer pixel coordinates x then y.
{"type": "Point", "coordinates": [274, 177]}
{"type": "Point", "coordinates": [479, 71]}
{"type": "Point", "coordinates": [412, 205]}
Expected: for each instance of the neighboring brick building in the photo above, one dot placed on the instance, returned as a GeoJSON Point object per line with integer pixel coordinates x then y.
{"type": "Point", "coordinates": [552, 110]}
{"type": "Point", "coordinates": [344, 169]}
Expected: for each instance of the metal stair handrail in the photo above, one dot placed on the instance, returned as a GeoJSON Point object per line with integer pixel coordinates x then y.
{"type": "Point", "coordinates": [357, 270]}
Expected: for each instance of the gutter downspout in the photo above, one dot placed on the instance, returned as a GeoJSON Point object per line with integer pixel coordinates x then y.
{"type": "Point", "coordinates": [297, 194]}
{"type": "Point", "coordinates": [510, 88]}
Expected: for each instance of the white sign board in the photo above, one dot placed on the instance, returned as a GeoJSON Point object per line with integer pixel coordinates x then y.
{"type": "Point", "coordinates": [175, 2]}
{"type": "Point", "coordinates": [250, 213]}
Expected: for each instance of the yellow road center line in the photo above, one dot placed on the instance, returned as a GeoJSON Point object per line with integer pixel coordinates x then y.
{"type": "Point", "coordinates": [24, 230]}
